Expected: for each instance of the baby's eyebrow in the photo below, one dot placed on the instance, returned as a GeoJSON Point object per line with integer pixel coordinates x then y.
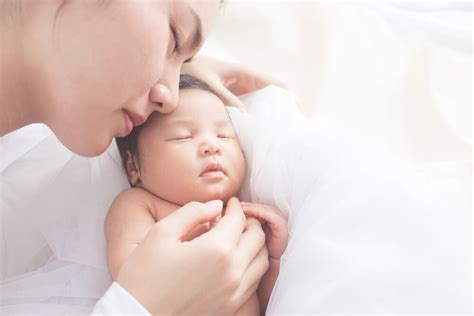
{"type": "Point", "coordinates": [190, 122]}
{"type": "Point", "coordinates": [182, 122]}
{"type": "Point", "coordinates": [221, 123]}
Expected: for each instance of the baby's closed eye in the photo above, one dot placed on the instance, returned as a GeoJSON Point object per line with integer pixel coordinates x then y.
{"type": "Point", "coordinates": [226, 133]}
{"type": "Point", "coordinates": [226, 136]}
{"type": "Point", "coordinates": [180, 138]}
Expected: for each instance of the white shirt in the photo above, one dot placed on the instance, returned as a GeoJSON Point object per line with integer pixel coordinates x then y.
{"type": "Point", "coordinates": [117, 301]}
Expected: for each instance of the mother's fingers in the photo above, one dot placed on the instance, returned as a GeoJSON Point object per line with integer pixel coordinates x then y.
{"type": "Point", "coordinates": [246, 80]}
{"type": "Point", "coordinates": [187, 218]}
{"type": "Point", "coordinates": [227, 97]}
{"type": "Point", "coordinates": [230, 227]}
{"type": "Point", "coordinates": [253, 274]}
{"type": "Point", "coordinates": [252, 240]}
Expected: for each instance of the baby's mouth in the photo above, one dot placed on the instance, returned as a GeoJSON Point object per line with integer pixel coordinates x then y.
{"type": "Point", "coordinates": [213, 170]}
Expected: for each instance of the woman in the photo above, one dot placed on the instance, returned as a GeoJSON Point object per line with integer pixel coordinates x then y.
{"type": "Point", "coordinates": [93, 70]}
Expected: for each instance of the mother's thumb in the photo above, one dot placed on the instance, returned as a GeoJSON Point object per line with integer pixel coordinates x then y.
{"type": "Point", "coordinates": [186, 218]}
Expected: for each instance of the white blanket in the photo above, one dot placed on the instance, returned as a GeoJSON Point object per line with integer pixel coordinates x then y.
{"type": "Point", "coordinates": [367, 234]}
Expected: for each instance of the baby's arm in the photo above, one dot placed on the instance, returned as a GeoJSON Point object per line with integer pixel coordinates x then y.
{"type": "Point", "coordinates": [126, 226]}
{"type": "Point", "coordinates": [276, 231]}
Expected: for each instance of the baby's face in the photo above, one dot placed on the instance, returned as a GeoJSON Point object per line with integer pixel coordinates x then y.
{"type": "Point", "coordinates": [191, 154]}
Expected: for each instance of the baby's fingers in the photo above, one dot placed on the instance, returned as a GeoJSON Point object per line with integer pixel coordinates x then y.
{"type": "Point", "coordinates": [275, 227]}
{"type": "Point", "coordinates": [275, 219]}
{"type": "Point", "coordinates": [264, 207]}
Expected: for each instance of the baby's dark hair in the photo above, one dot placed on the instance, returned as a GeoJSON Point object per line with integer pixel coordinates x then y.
{"type": "Point", "coordinates": [129, 144]}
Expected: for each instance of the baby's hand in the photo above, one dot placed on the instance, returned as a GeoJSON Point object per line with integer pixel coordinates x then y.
{"type": "Point", "coordinates": [274, 224]}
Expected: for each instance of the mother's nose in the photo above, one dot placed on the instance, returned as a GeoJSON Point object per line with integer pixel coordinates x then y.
{"type": "Point", "coordinates": [164, 97]}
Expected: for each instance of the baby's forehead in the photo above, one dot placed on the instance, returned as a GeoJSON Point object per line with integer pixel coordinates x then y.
{"type": "Point", "coordinates": [197, 104]}
{"type": "Point", "coordinates": [193, 111]}
{"type": "Point", "coordinates": [192, 96]}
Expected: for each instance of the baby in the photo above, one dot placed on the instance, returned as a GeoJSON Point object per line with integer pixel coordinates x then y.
{"type": "Point", "coordinates": [191, 154]}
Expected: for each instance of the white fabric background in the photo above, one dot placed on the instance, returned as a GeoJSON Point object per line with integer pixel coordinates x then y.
{"type": "Point", "coordinates": [368, 233]}
{"type": "Point", "coordinates": [402, 71]}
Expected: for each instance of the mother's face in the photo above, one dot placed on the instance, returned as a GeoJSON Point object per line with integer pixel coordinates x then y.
{"type": "Point", "coordinates": [109, 64]}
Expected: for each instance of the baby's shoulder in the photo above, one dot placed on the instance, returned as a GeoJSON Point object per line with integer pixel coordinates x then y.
{"type": "Point", "coordinates": [129, 216]}
{"type": "Point", "coordinates": [131, 201]}
{"type": "Point", "coordinates": [140, 200]}
{"type": "Point", "coordinates": [136, 196]}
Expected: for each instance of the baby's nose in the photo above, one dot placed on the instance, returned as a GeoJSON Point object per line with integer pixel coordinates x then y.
{"type": "Point", "coordinates": [210, 149]}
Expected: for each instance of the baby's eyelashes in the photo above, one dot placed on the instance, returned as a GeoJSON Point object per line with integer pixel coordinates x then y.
{"type": "Point", "coordinates": [189, 137]}
{"type": "Point", "coordinates": [180, 138]}
{"type": "Point", "coordinates": [226, 136]}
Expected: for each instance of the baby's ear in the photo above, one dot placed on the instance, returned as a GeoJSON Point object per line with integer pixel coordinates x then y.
{"type": "Point", "coordinates": [133, 172]}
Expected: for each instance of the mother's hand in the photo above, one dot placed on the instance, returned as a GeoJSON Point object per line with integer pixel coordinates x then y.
{"type": "Point", "coordinates": [214, 273]}
{"type": "Point", "coordinates": [228, 80]}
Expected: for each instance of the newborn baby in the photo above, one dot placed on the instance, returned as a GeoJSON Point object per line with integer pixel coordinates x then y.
{"type": "Point", "coordinates": [191, 154]}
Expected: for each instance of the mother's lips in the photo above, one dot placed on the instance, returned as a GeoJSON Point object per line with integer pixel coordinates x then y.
{"type": "Point", "coordinates": [137, 119]}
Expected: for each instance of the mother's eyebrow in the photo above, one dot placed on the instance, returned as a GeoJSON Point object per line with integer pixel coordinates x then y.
{"type": "Point", "coordinates": [197, 36]}
{"type": "Point", "coordinates": [197, 39]}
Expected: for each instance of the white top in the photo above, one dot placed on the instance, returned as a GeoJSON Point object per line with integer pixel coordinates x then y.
{"type": "Point", "coordinates": [117, 301]}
